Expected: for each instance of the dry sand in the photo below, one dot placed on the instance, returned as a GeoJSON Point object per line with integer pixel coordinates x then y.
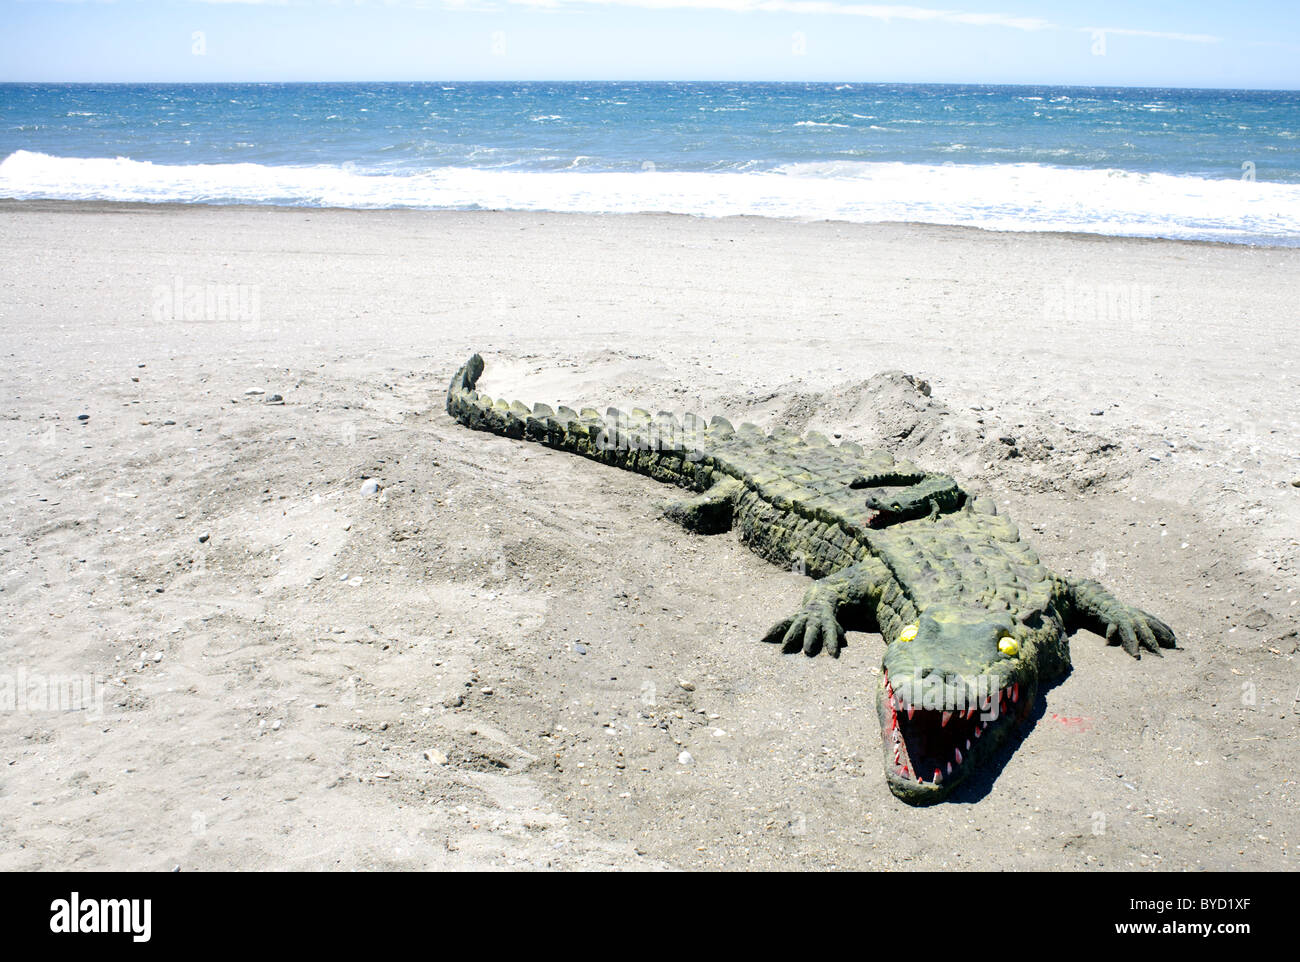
{"type": "Point", "coordinates": [480, 666]}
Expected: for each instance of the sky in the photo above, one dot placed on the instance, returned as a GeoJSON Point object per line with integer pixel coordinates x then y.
{"type": "Point", "coordinates": [1099, 42]}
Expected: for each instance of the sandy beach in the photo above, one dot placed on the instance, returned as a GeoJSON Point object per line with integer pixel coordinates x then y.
{"type": "Point", "coordinates": [495, 661]}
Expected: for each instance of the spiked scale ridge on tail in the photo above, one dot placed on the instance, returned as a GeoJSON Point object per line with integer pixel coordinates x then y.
{"type": "Point", "coordinates": [973, 620]}
{"type": "Point", "coordinates": [839, 485]}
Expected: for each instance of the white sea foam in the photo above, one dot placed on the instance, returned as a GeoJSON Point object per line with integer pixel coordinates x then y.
{"type": "Point", "coordinates": [997, 196]}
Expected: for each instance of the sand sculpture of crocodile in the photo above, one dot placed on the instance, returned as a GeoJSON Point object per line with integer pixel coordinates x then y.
{"type": "Point", "coordinates": [973, 621]}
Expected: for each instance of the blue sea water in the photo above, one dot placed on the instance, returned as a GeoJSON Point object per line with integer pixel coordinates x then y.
{"type": "Point", "coordinates": [1202, 164]}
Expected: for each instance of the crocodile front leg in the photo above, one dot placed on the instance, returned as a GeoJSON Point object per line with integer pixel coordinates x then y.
{"type": "Point", "coordinates": [1088, 605]}
{"type": "Point", "coordinates": [709, 513]}
{"type": "Point", "coordinates": [849, 595]}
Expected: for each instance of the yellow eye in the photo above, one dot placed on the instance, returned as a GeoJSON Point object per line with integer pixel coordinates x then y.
{"type": "Point", "coordinates": [1007, 645]}
{"type": "Point", "coordinates": [908, 633]}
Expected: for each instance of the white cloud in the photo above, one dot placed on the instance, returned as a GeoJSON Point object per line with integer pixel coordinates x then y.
{"type": "Point", "coordinates": [873, 11]}
{"type": "Point", "coordinates": [843, 8]}
{"type": "Point", "coordinates": [882, 12]}
{"type": "Point", "coordinates": [1157, 34]}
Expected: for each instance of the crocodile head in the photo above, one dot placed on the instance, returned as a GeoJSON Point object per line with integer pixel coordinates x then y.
{"type": "Point", "coordinates": [954, 684]}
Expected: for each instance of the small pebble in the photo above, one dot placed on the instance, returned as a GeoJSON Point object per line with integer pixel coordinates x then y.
{"type": "Point", "coordinates": [686, 685]}
{"type": "Point", "coordinates": [370, 487]}
{"type": "Point", "coordinates": [1096, 412]}
{"type": "Point", "coordinates": [455, 701]}
{"type": "Point", "coordinates": [435, 756]}
{"type": "Point", "coordinates": [580, 649]}
{"type": "Point", "coordinates": [203, 538]}
{"type": "Point", "coordinates": [685, 758]}
{"type": "Point", "coordinates": [83, 417]}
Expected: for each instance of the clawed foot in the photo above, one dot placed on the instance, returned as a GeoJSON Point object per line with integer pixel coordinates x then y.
{"type": "Point", "coordinates": [1132, 628]}
{"type": "Point", "coordinates": [815, 627]}
{"type": "Point", "coordinates": [1136, 631]}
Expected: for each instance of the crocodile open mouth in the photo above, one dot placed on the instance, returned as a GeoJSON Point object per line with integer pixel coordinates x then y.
{"type": "Point", "coordinates": [931, 746]}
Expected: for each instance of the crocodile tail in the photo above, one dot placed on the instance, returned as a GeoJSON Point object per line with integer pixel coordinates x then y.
{"type": "Point", "coordinates": [480, 412]}
{"type": "Point", "coordinates": [660, 446]}
{"type": "Point", "coordinates": [464, 403]}
{"type": "Point", "coordinates": [465, 380]}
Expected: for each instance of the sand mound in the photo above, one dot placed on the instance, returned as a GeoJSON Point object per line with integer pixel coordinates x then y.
{"type": "Point", "coordinates": [898, 411]}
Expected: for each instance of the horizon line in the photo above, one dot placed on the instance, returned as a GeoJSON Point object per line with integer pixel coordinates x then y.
{"type": "Point", "coordinates": [865, 83]}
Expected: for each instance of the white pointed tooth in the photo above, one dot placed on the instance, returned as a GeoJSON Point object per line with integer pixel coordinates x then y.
{"type": "Point", "coordinates": [911, 710]}
{"type": "Point", "coordinates": [946, 715]}
{"type": "Point", "coordinates": [968, 744]}
{"type": "Point", "coordinates": [957, 754]}
{"type": "Point", "coordinates": [950, 768]}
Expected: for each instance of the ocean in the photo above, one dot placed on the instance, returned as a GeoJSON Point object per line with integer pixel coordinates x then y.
{"type": "Point", "coordinates": [1197, 164]}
